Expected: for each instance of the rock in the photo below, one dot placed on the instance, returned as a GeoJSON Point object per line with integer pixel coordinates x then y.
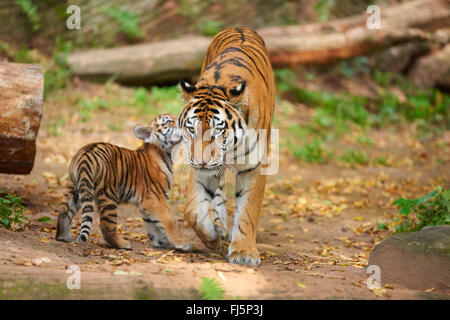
{"type": "Point", "coordinates": [416, 260]}
{"type": "Point", "coordinates": [36, 262]}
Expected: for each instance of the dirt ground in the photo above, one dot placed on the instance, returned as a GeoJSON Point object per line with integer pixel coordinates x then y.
{"type": "Point", "coordinates": [316, 230]}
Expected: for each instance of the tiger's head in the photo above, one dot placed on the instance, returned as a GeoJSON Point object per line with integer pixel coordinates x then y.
{"type": "Point", "coordinates": [162, 131]}
{"type": "Point", "coordinates": [210, 123]}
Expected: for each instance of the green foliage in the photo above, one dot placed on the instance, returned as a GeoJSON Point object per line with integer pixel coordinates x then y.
{"type": "Point", "coordinates": [210, 28]}
{"type": "Point", "coordinates": [86, 108]}
{"type": "Point", "coordinates": [322, 8]}
{"type": "Point", "coordinates": [353, 157]}
{"type": "Point", "coordinates": [157, 99]}
{"type": "Point", "coordinates": [11, 210]}
{"type": "Point", "coordinates": [429, 210]}
{"type": "Point", "coordinates": [54, 127]}
{"type": "Point", "coordinates": [352, 67]}
{"type": "Point", "coordinates": [364, 139]}
{"type": "Point", "coordinates": [141, 100]}
{"type": "Point", "coordinates": [30, 9]}
{"type": "Point", "coordinates": [128, 22]}
{"type": "Point", "coordinates": [381, 160]}
{"type": "Point", "coordinates": [58, 73]}
{"type": "Point", "coordinates": [313, 152]}
{"type": "Point", "coordinates": [45, 219]}
{"type": "Point", "coordinates": [286, 80]}
{"type": "Point", "coordinates": [211, 289]}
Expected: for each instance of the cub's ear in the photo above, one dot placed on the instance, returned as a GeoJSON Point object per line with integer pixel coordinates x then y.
{"type": "Point", "coordinates": [143, 132]}
{"type": "Point", "coordinates": [238, 90]}
{"type": "Point", "coordinates": [187, 88]}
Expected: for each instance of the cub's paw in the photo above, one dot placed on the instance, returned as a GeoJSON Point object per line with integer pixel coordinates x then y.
{"type": "Point", "coordinates": [65, 238]}
{"type": "Point", "coordinates": [213, 244]}
{"type": "Point", "coordinates": [222, 232]}
{"type": "Point", "coordinates": [243, 257]}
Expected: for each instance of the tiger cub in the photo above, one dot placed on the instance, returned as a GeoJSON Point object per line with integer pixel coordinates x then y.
{"type": "Point", "coordinates": [106, 175]}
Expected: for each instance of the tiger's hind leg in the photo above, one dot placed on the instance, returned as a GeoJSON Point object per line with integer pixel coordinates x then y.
{"type": "Point", "coordinates": [108, 223]}
{"type": "Point", "coordinates": [67, 211]}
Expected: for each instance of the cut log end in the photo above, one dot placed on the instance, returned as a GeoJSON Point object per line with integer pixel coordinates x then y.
{"type": "Point", "coordinates": [21, 99]}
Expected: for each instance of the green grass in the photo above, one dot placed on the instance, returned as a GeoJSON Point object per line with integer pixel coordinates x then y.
{"type": "Point", "coordinates": [12, 211]}
{"type": "Point", "coordinates": [354, 157]}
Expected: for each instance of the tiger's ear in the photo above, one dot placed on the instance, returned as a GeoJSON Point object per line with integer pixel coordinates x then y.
{"type": "Point", "coordinates": [238, 90]}
{"type": "Point", "coordinates": [143, 132]}
{"type": "Point", "coordinates": [187, 89]}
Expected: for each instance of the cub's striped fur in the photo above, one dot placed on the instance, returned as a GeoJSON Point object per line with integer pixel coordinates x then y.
{"type": "Point", "coordinates": [105, 175]}
{"type": "Point", "coordinates": [235, 92]}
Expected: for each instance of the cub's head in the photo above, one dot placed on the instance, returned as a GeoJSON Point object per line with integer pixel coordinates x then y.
{"type": "Point", "coordinates": [211, 124]}
{"type": "Point", "coordinates": [161, 131]}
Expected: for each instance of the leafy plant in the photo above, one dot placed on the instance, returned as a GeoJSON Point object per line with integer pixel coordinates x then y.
{"type": "Point", "coordinates": [45, 219]}
{"type": "Point", "coordinates": [322, 7]}
{"type": "Point", "coordinates": [429, 210]}
{"type": "Point", "coordinates": [211, 289]}
{"type": "Point", "coordinates": [86, 108]}
{"type": "Point", "coordinates": [210, 27]}
{"type": "Point", "coordinates": [352, 67]}
{"type": "Point", "coordinates": [11, 210]}
{"type": "Point", "coordinates": [353, 157]}
{"type": "Point", "coordinates": [128, 22]}
{"type": "Point", "coordinates": [54, 127]}
{"type": "Point", "coordinates": [310, 152]}
{"type": "Point", "coordinates": [30, 9]}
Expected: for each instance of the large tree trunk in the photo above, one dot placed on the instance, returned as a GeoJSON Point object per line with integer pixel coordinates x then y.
{"type": "Point", "coordinates": [163, 62]}
{"type": "Point", "coordinates": [21, 98]}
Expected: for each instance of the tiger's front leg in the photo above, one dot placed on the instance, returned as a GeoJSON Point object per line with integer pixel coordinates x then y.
{"type": "Point", "coordinates": [200, 193]}
{"type": "Point", "coordinates": [249, 196]}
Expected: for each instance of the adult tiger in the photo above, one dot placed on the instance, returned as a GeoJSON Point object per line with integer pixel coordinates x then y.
{"type": "Point", "coordinates": [235, 92]}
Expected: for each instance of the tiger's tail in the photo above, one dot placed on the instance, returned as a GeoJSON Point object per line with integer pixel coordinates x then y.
{"type": "Point", "coordinates": [85, 186]}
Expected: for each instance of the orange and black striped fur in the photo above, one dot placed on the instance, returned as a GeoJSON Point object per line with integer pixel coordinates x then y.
{"type": "Point", "coordinates": [235, 92]}
{"type": "Point", "coordinates": [105, 175]}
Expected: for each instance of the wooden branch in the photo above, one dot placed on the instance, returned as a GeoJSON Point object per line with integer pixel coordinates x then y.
{"type": "Point", "coordinates": [21, 99]}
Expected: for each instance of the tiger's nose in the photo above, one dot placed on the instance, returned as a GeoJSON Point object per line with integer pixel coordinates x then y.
{"type": "Point", "coordinates": [202, 164]}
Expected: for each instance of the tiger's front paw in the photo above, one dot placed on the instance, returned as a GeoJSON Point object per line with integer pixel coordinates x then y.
{"type": "Point", "coordinates": [245, 257]}
{"type": "Point", "coordinates": [184, 246]}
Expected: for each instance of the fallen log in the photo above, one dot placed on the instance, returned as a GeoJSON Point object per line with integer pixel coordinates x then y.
{"type": "Point", "coordinates": [433, 69]}
{"type": "Point", "coordinates": [21, 98]}
{"type": "Point", "coordinates": [166, 62]}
